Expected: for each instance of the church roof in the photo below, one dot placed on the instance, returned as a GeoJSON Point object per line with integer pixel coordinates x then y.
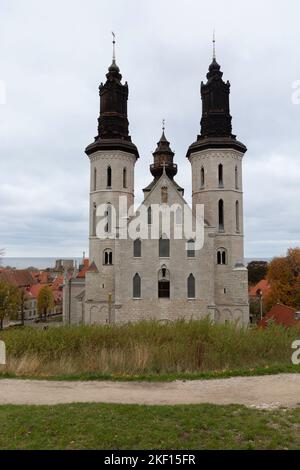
{"type": "Point", "coordinates": [153, 183]}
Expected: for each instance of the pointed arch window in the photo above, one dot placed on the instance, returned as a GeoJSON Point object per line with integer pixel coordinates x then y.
{"type": "Point", "coordinates": [220, 176]}
{"type": "Point", "coordinates": [95, 179]}
{"type": "Point", "coordinates": [221, 215]}
{"type": "Point", "coordinates": [137, 286]}
{"type": "Point", "coordinates": [137, 248]}
{"type": "Point", "coordinates": [222, 257]}
{"type": "Point", "coordinates": [149, 215]}
{"type": "Point", "coordinates": [236, 177]}
{"type": "Point", "coordinates": [164, 283]}
{"type": "Point", "coordinates": [124, 177]}
{"type": "Point", "coordinates": [237, 216]}
{"type": "Point", "coordinates": [202, 178]}
{"type": "Point", "coordinates": [164, 247]}
{"type": "Point", "coordinates": [94, 220]}
{"type": "Point", "coordinates": [191, 249]}
{"type": "Point", "coordinates": [107, 257]}
{"type": "Point", "coordinates": [109, 177]}
{"type": "Point", "coordinates": [191, 287]}
{"type": "Point", "coordinates": [178, 216]}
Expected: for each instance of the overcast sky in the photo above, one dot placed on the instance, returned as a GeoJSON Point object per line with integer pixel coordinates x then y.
{"type": "Point", "coordinates": [54, 54]}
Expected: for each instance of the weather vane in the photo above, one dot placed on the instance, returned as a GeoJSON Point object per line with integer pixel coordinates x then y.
{"type": "Point", "coordinates": [163, 124]}
{"type": "Point", "coordinates": [214, 45]}
{"type": "Point", "coordinates": [114, 45]}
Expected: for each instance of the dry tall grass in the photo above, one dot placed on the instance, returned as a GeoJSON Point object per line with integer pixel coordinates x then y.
{"type": "Point", "coordinates": [146, 348]}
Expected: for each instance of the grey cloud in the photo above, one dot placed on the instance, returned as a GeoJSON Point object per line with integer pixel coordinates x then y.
{"type": "Point", "coordinates": [53, 55]}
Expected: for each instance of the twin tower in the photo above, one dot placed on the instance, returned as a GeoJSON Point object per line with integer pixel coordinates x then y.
{"type": "Point", "coordinates": [126, 283]}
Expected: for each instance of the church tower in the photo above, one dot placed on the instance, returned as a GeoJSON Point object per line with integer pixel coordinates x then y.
{"type": "Point", "coordinates": [112, 157]}
{"type": "Point", "coordinates": [216, 160]}
{"type": "Point", "coordinates": [163, 162]}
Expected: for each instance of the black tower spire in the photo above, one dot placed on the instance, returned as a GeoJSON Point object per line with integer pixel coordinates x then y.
{"type": "Point", "coordinates": [216, 118]}
{"type": "Point", "coordinates": [113, 132]}
{"type": "Point", "coordinates": [216, 122]}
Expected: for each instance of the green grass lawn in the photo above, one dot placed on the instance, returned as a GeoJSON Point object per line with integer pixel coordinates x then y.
{"type": "Point", "coordinates": [120, 427]}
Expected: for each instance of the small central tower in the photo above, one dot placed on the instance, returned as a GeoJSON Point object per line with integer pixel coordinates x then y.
{"type": "Point", "coordinates": [163, 162]}
{"type": "Point", "coordinates": [216, 160]}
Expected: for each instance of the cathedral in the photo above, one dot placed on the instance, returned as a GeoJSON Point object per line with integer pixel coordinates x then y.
{"type": "Point", "coordinates": [164, 278]}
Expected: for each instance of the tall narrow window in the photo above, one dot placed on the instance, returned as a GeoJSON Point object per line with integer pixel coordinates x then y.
{"type": "Point", "coordinates": [191, 249]}
{"type": "Point", "coordinates": [237, 216]}
{"type": "Point", "coordinates": [221, 215]}
{"type": "Point", "coordinates": [221, 181]}
{"type": "Point", "coordinates": [137, 248]}
{"type": "Point", "coordinates": [164, 195]}
{"type": "Point", "coordinates": [137, 291]}
{"type": "Point", "coordinates": [191, 287]}
{"type": "Point", "coordinates": [236, 176]}
{"type": "Point", "coordinates": [108, 215]}
{"type": "Point", "coordinates": [109, 177]}
{"type": "Point", "coordinates": [95, 179]}
{"type": "Point", "coordinates": [124, 178]}
{"type": "Point", "coordinates": [107, 257]}
{"type": "Point", "coordinates": [178, 216]}
{"type": "Point", "coordinates": [202, 178]}
{"type": "Point", "coordinates": [163, 283]}
{"type": "Point", "coordinates": [94, 220]}
{"type": "Point", "coordinates": [164, 247]}
{"type": "Point", "coordinates": [149, 212]}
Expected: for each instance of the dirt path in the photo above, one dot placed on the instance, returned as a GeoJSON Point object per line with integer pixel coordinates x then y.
{"type": "Point", "coordinates": [258, 392]}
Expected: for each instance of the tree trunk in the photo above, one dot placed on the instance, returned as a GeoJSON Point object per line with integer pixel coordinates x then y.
{"type": "Point", "coordinates": [1, 324]}
{"type": "Point", "coordinates": [22, 314]}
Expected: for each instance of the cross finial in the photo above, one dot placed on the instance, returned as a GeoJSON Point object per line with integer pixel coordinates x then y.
{"type": "Point", "coordinates": [114, 46]}
{"type": "Point", "coordinates": [214, 45]}
{"type": "Point", "coordinates": [164, 168]}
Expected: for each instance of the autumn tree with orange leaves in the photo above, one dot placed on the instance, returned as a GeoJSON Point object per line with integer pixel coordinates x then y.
{"type": "Point", "coordinates": [284, 278]}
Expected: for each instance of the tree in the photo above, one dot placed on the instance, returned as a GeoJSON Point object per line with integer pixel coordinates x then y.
{"type": "Point", "coordinates": [45, 301]}
{"type": "Point", "coordinates": [284, 278]}
{"type": "Point", "coordinates": [23, 300]}
{"type": "Point", "coordinates": [9, 302]}
{"type": "Point", "coordinates": [257, 270]}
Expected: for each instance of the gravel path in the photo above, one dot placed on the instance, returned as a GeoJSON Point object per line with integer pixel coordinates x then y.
{"type": "Point", "coordinates": [258, 392]}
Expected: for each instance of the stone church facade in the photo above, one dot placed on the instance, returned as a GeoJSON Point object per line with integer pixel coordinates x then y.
{"type": "Point", "coordinates": [164, 279]}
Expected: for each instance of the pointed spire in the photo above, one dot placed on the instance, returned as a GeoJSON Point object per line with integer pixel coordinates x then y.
{"type": "Point", "coordinates": [163, 145]}
{"type": "Point", "coordinates": [163, 139]}
{"type": "Point", "coordinates": [114, 46]}
{"type": "Point", "coordinates": [214, 45]}
{"type": "Point", "coordinates": [114, 67]}
{"type": "Point", "coordinates": [113, 124]}
{"type": "Point", "coordinates": [214, 68]}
